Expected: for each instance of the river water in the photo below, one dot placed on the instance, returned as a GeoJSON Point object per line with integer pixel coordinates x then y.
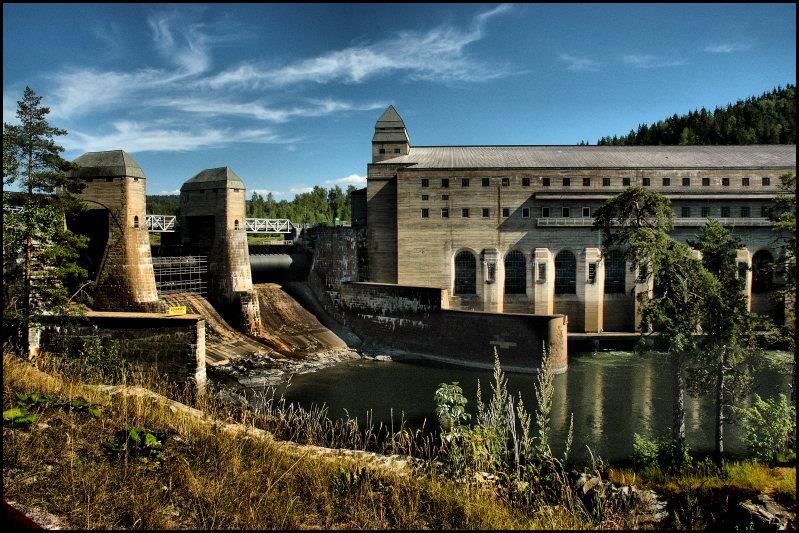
{"type": "Point", "coordinates": [612, 395]}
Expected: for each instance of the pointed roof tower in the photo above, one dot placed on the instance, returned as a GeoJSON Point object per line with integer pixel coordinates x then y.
{"type": "Point", "coordinates": [391, 137]}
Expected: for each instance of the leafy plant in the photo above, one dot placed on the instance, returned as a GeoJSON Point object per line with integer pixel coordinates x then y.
{"type": "Point", "coordinates": [768, 425]}
{"type": "Point", "coordinates": [19, 416]}
{"type": "Point", "coordinates": [645, 452]}
{"type": "Point", "coordinates": [142, 443]}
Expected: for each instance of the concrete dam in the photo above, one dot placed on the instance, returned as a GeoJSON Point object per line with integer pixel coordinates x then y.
{"type": "Point", "coordinates": [302, 300]}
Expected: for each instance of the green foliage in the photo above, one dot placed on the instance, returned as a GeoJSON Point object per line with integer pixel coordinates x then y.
{"type": "Point", "coordinates": [19, 416]}
{"type": "Point", "coordinates": [141, 443]}
{"type": "Point", "coordinates": [645, 452]}
{"type": "Point", "coordinates": [40, 273]}
{"type": "Point", "coordinates": [451, 409]}
{"type": "Point", "coordinates": [766, 119]}
{"type": "Point", "coordinates": [319, 205]}
{"type": "Point", "coordinates": [90, 355]}
{"type": "Point", "coordinates": [768, 425]}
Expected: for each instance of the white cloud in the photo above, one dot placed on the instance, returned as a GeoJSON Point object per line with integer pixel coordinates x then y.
{"type": "Point", "coordinates": [136, 137]}
{"type": "Point", "coordinates": [300, 190]}
{"type": "Point", "coordinates": [727, 48]}
{"type": "Point", "coordinates": [176, 191]}
{"type": "Point", "coordinates": [438, 54]}
{"type": "Point", "coordinates": [651, 61]}
{"type": "Point", "coordinates": [10, 108]}
{"type": "Point", "coordinates": [352, 179]}
{"type": "Point", "coordinates": [257, 110]}
{"type": "Point", "coordinates": [265, 192]}
{"type": "Point", "coordinates": [578, 64]}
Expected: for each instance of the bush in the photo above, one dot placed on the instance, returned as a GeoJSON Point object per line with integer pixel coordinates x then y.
{"type": "Point", "coordinates": [768, 425]}
{"type": "Point", "coordinates": [645, 452]}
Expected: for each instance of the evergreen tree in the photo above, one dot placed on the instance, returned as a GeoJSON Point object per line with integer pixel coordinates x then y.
{"type": "Point", "coordinates": [39, 253]}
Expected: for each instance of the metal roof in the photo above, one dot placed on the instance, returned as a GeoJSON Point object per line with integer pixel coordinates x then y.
{"type": "Point", "coordinates": [214, 178]}
{"type": "Point", "coordinates": [112, 163]}
{"type": "Point", "coordinates": [571, 156]}
{"type": "Point", "coordinates": [390, 119]}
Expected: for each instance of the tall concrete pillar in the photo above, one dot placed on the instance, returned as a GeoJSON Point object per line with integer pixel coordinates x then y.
{"type": "Point", "coordinates": [643, 291]}
{"type": "Point", "coordinates": [743, 260]}
{"type": "Point", "coordinates": [212, 221]}
{"type": "Point", "coordinates": [119, 250]}
{"type": "Point", "coordinates": [493, 278]}
{"type": "Point", "coordinates": [544, 282]}
{"type": "Point", "coordinates": [593, 272]}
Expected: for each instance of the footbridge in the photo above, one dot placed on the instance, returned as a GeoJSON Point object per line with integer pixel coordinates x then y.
{"type": "Point", "coordinates": [265, 226]}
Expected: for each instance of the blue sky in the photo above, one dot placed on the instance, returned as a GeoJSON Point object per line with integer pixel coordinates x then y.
{"type": "Point", "coordinates": [287, 95]}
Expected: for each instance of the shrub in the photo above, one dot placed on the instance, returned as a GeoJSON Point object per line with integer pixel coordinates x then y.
{"type": "Point", "coordinates": [645, 452]}
{"type": "Point", "coordinates": [768, 425]}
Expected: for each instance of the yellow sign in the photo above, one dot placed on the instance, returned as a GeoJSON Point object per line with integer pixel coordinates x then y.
{"type": "Point", "coordinates": [181, 310]}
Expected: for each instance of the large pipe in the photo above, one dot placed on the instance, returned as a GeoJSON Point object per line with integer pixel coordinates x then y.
{"type": "Point", "coordinates": [266, 267]}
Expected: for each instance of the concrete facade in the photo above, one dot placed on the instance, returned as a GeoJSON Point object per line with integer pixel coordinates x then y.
{"type": "Point", "coordinates": [212, 217]}
{"type": "Point", "coordinates": [121, 262]}
{"type": "Point", "coordinates": [428, 205]}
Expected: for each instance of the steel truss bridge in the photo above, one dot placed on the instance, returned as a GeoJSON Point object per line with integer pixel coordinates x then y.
{"type": "Point", "coordinates": [273, 226]}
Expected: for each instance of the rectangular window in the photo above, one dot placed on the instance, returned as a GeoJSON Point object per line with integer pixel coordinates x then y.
{"type": "Point", "coordinates": [506, 212]}
{"type": "Point", "coordinates": [705, 211]}
{"type": "Point", "coordinates": [486, 212]}
{"type": "Point", "coordinates": [586, 211]}
{"type": "Point", "coordinates": [686, 182]}
{"type": "Point", "coordinates": [725, 182]}
{"type": "Point", "coordinates": [445, 197]}
{"type": "Point", "coordinates": [425, 212]}
{"type": "Point", "coordinates": [591, 272]}
{"type": "Point", "coordinates": [445, 212]}
{"type": "Point", "coordinates": [705, 182]}
{"type": "Point", "coordinates": [545, 182]}
{"type": "Point", "coordinates": [763, 211]}
{"type": "Point", "coordinates": [606, 182]}
{"type": "Point", "coordinates": [725, 212]}
{"type": "Point", "coordinates": [645, 182]}
{"type": "Point", "coordinates": [542, 271]}
{"type": "Point", "coordinates": [586, 182]}
{"type": "Point", "coordinates": [545, 212]}
{"type": "Point", "coordinates": [766, 181]}
{"type": "Point", "coordinates": [465, 212]}
{"type": "Point", "coordinates": [382, 151]}
{"type": "Point", "coordinates": [525, 182]}
{"type": "Point", "coordinates": [567, 182]}
{"type": "Point", "coordinates": [685, 211]}
{"type": "Point", "coordinates": [464, 182]}
{"type": "Point", "coordinates": [445, 182]}
{"type": "Point", "coordinates": [525, 212]}
{"type": "Point", "coordinates": [486, 182]}
{"type": "Point", "coordinates": [396, 150]}
{"type": "Point", "coordinates": [425, 182]}
{"type": "Point", "coordinates": [745, 182]}
{"type": "Point", "coordinates": [745, 211]}
{"type": "Point", "coordinates": [425, 197]}
{"type": "Point", "coordinates": [505, 182]}
{"type": "Point", "coordinates": [667, 182]}
{"type": "Point", "coordinates": [566, 212]}
{"type": "Point", "coordinates": [625, 182]}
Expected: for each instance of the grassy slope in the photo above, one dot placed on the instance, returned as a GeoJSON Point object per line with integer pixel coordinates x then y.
{"type": "Point", "coordinates": [209, 479]}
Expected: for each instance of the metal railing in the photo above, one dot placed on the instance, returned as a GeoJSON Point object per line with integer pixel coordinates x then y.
{"type": "Point", "coordinates": [159, 223]}
{"type": "Point", "coordinates": [268, 225]}
{"type": "Point", "coordinates": [181, 274]}
{"type": "Point", "coordinates": [678, 221]}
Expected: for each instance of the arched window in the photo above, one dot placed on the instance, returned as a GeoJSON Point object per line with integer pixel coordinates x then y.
{"type": "Point", "coordinates": [136, 221]}
{"type": "Point", "coordinates": [565, 273]}
{"type": "Point", "coordinates": [515, 273]}
{"type": "Point", "coordinates": [762, 271]}
{"type": "Point", "coordinates": [615, 272]}
{"type": "Point", "coordinates": [235, 224]}
{"type": "Point", "coordinates": [465, 273]}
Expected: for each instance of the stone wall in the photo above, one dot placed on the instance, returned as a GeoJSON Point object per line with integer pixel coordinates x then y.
{"type": "Point", "coordinates": [172, 346]}
{"type": "Point", "coordinates": [411, 319]}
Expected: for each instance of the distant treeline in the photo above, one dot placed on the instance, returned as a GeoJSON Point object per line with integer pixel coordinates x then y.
{"type": "Point", "coordinates": [766, 119]}
{"type": "Point", "coordinates": [317, 205]}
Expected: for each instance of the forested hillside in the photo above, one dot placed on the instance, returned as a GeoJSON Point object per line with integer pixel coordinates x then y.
{"type": "Point", "coordinates": [317, 205]}
{"type": "Point", "coordinates": [766, 119]}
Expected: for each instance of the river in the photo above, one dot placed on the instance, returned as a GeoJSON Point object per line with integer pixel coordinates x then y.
{"type": "Point", "coordinates": [611, 394]}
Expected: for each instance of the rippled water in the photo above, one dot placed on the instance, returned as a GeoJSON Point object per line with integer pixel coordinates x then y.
{"type": "Point", "coordinates": [612, 396]}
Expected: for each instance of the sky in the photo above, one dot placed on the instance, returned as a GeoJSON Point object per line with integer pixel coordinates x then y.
{"type": "Point", "coordinates": [287, 95]}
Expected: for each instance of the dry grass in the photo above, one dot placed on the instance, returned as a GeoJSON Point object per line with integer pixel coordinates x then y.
{"type": "Point", "coordinates": [209, 479]}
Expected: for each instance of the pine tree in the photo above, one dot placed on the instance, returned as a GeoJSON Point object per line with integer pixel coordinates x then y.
{"type": "Point", "coordinates": [39, 253]}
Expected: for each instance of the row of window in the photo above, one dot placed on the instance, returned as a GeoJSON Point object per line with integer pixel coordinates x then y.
{"type": "Point", "coordinates": [606, 182]}
{"type": "Point", "coordinates": [566, 272]}
{"type": "Point", "coordinates": [744, 211]}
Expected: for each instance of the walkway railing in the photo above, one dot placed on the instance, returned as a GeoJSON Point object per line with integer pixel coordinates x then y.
{"type": "Point", "coordinates": [678, 221]}
{"type": "Point", "coordinates": [159, 223]}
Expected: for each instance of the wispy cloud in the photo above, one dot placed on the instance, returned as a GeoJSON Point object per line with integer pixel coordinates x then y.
{"type": "Point", "coordinates": [300, 190]}
{"type": "Point", "coordinates": [265, 192]}
{"type": "Point", "coordinates": [353, 179]}
{"type": "Point", "coordinates": [651, 61]}
{"type": "Point", "coordinates": [579, 64]}
{"type": "Point", "coordinates": [727, 48]}
{"type": "Point", "coordinates": [211, 106]}
{"type": "Point", "coordinates": [438, 54]}
{"type": "Point", "coordinates": [136, 137]}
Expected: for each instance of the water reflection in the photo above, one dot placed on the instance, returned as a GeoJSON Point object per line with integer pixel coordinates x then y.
{"type": "Point", "coordinates": [612, 396]}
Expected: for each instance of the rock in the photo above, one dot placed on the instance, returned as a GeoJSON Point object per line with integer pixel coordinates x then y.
{"type": "Point", "coordinates": [383, 358]}
{"type": "Point", "coordinates": [40, 516]}
{"type": "Point", "coordinates": [767, 515]}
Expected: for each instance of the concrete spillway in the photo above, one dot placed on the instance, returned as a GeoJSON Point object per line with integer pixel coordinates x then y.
{"type": "Point", "coordinates": [279, 263]}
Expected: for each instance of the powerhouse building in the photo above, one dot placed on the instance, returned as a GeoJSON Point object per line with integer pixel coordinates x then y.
{"type": "Point", "coordinates": [508, 228]}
